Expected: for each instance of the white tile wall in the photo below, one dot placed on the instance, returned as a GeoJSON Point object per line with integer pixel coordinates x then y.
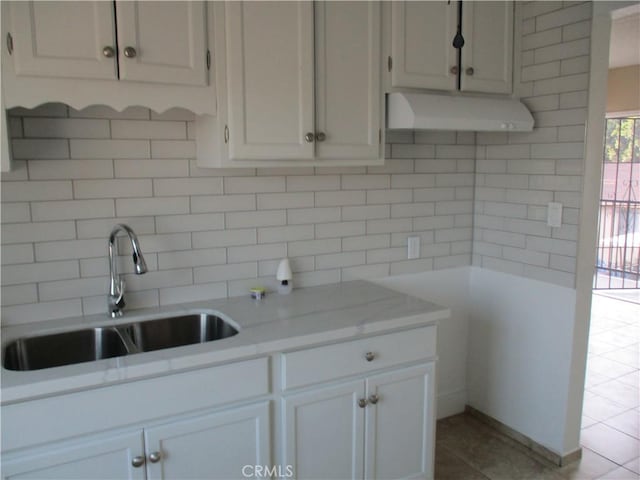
{"type": "Point", "coordinates": [210, 233]}
{"type": "Point", "coordinates": [519, 173]}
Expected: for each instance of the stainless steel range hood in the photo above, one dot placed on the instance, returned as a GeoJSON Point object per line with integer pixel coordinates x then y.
{"type": "Point", "coordinates": [422, 111]}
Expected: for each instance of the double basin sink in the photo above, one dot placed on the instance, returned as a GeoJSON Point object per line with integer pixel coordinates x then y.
{"type": "Point", "coordinates": [67, 348]}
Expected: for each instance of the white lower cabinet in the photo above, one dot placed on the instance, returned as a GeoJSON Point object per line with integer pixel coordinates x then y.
{"type": "Point", "coordinates": [379, 427]}
{"type": "Point", "coordinates": [96, 458]}
{"type": "Point", "coordinates": [355, 409]}
{"type": "Point", "coordinates": [324, 432]}
{"type": "Point", "coordinates": [216, 445]}
{"type": "Point", "coordinates": [400, 428]}
{"type": "Point", "coordinates": [212, 446]}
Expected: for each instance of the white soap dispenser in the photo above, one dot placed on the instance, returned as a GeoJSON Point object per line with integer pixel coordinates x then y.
{"type": "Point", "coordinates": [284, 276]}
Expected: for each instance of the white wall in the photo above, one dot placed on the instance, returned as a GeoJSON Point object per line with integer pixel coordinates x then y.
{"type": "Point", "coordinates": [448, 288]}
{"type": "Point", "coordinates": [519, 356]}
{"type": "Point", "coordinates": [506, 350]}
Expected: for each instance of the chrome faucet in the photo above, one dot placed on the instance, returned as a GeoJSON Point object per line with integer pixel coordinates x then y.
{"type": "Point", "coordinates": [115, 299]}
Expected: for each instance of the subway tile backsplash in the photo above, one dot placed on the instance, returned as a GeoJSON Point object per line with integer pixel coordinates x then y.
{"type": "Point", "coordinates": [517, 174]}
{"type": "Point", "coordinates": [210, 233]}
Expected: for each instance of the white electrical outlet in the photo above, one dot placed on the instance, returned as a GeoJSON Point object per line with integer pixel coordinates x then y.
{"type": "Point", "coordinates": [554, 214]}
{"type": "Point", "coordinates": [413, 247]}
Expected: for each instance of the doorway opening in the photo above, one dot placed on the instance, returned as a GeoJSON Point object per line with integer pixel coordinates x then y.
{"type": "Point", "coordinates": [611, 410]}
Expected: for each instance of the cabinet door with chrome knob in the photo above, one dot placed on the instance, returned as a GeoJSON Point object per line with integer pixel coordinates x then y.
{"type": "Point", "coordinates": [309, 137]}
{"type": "Point", "coordinates": [369, 356]}
{"type": "Point", "coordinates": [453, 70]}
{"type": "Point", "coordinates": [373, 399]}
{"type": "Point", "coordinates": [469, 71]}
{"type": "Point", "coordinates": [137, 461]}
{"type": "Point", "coordinates": [321, 136]}
{"type": "Point", "coordinates": [362, 402]}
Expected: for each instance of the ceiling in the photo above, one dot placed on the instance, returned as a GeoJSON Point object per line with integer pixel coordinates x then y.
{"type": "Point", "coordinates": [624, 49]}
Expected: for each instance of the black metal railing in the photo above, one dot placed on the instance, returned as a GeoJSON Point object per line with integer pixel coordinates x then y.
{"type": "Point", "coordinates": [618, 260]}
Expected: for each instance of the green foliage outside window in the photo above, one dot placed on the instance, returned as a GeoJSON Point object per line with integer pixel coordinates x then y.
{"type": "Point", "coordinates": [622, 140]}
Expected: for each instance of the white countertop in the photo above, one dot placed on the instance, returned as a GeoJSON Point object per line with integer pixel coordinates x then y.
{"type": "Point", "coordinates": [307, 316]}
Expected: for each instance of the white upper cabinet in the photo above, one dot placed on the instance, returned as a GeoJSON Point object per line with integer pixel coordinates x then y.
{"type": "Point", "coordinates": [297, 82]}
{"type": "Point", "coordinates": [270, 79]}
{"type": "Point", "coordinates": [63, 39]}
{"type": "Point", "coordinates": [487, 57]}
{"type": "Point", "coordinates": [118, 54]}
{"type": "Point", "coordinates": [422, 53]}
{"type": "Point", "coordinates": [347, 79]}
{"type": "Point", "coordinates": [162, 42]}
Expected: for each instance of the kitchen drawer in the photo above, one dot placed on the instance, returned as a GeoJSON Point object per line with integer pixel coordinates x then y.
{"type": "Point", "coordinates": [131, 403]}
{"type": "Point", "coordinates": [321, 364]}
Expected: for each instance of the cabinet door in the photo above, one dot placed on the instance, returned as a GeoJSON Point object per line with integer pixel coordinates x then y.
{"type": "Point", "coordinates": [400, 425]}
{"type": "Point", "coordinates": [323, 432]}
{"type": "Point", "coordinates": [169, 39]}
{"type": "Point", "coordinates": [270, 79]}
{"type": "Point", "coordinates": [347, 79]}
{"type": "Point", "coordinates": [96, 458]}
{"type": "Point", "coordinates": [212, 446]}
{"type": "Point", "coordinates": [421, 44]}
{"type": "Point", "coordinates": [63, 39]}
{"type": "Point", "coordinates": [487, 56]}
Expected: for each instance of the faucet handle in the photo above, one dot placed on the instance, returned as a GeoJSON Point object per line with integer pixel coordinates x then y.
{"type": "Point", "coordinates": [118, 298]}
{"type": "Point", "coordinates": [121, 303]}
{"type": "Point", "coordinates": [116, 306]}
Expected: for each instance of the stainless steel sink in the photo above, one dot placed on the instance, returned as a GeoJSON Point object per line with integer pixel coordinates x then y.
{"type": "Point", "coordinates": [35, 353]}
{"type": "Point", "coordinates": [46, 351]}
{"type": "Point", "coordinates": [177, 331]}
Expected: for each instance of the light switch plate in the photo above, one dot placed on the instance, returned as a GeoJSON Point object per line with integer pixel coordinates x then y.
{"type": "Point", "coordinates": [413, 247]}
{"type": "Point", "coordinates": [554, 214]}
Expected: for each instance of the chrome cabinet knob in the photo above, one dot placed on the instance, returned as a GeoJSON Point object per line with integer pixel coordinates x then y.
{"type": "Point", "coordinates": [454, 70]}
{"type": "Point", "coordinates": [373, 399]}
{"type": "Point", "coordinates": [469, 71]}
{"type": "Point", "coordinates": [309, 137]}
{"type": "Point", "coordinates": [362, 402]}
{"type": "Point", "coordinates": [137, 461]}
{"type": "Point", "coordinates": [155, 457]}
{"type": "Point", "coordinates": [130, 52]}
{"type": "Point", "coordinates": [108, 51]}
{"type": "Point", "coordinates": [369, 356]}
{"type": "Point", "coordinates": [321, 137]}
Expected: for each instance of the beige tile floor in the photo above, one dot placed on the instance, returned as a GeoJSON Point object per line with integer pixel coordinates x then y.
{"type": "Point", "coordinates": [467, 449]}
